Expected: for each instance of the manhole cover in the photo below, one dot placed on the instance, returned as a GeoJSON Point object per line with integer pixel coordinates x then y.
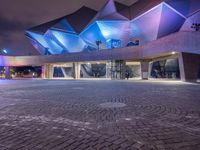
{"type": "Point", "coordinates": [112, 105]}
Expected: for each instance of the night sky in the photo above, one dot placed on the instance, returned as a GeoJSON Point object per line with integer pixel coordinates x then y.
{"type": "Point", "coordinates": [18, 15]}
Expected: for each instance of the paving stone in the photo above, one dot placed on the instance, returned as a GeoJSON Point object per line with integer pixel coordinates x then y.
{"type": "Point", "coordinates": [52, 115]}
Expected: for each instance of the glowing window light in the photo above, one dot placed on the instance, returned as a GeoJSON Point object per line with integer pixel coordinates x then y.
{"type": "Point", "coordinates": [173, 53]}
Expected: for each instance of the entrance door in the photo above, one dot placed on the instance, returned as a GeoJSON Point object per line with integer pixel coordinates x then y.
{"type": "Point", "coordinates": [117, 69]}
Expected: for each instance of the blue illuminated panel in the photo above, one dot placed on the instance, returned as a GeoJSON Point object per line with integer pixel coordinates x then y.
{"type": "Point", "coordinates": [39, 38]}
{"type": "Point", "coordinates": [113, 43]}
{"type": "Point", "coordinates": [46, 42]}
{"type": "Point", "coordinates": [93, 34]}
{"type": "Point", "coordinates": [115, 30]}
{"type": "Point", "coordinates": [71, 42]}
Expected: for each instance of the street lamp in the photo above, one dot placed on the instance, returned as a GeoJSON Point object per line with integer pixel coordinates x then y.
{"type": "Point", "coordinates": [4, 51]}
{"type": "Point", "coordinates": [98, 43]}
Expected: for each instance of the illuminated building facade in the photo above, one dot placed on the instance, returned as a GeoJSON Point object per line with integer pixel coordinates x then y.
{"type": "Point", "coordinates": [114, 26]}
{"type": "Point", "coordinates": [149, 39]}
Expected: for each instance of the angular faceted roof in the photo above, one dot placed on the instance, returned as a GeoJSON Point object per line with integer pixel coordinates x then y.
{"type": "Point", "coordinates": [120, 6]}
{"type": "Point", "coordinates": [44, 27]}
{"type": "Point", "coordinates": [77, 20]}
{"type": "Point", "coordinates": [185, 7]}
{"type": "Point", "coordinates": [80, 19]}
{"type": "Point", "coordinates": [141, 7]}
{"type": "Point", "coordinates": [157, 22]}
{"type": "Point", "coordinates": [110, 11]}
{"type": "Point", "coordinates": [145, 20]}
{"type": "Point", "coordinates": [194, 18]}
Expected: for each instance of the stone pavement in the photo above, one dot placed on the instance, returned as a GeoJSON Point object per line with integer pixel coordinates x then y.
{"type": "Point", "coordinates": [99, 115]}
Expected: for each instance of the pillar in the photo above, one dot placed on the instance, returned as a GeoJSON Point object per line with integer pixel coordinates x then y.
{"type": "Point", "coordinates": [144, 70]}
{"type": "Point", "coordinates": [118, 69]}
{"type": "Point", "coordinates": [122, 69]}
{"type": "Point", "coordinates": [108, 69]}
{"type": "Point", "coordinates": [7, 72]}
{"type": "Point", "coordinates": [47, 71]}
{"type": "Point", "coordinates": [189, 66]}
{"type": "Point", "coordinates": [77, 69]}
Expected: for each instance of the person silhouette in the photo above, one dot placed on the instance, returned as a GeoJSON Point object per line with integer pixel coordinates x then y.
{"type": "Point", "coordinates": [127, 74]}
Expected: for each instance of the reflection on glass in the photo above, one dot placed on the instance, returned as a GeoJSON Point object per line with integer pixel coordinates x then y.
{"type": "Point", "coordinates": [168, 68]}
{"type": "Point", "coordinates": [93, 71]}
{"type": "Point", "coordinates": [62, 72]}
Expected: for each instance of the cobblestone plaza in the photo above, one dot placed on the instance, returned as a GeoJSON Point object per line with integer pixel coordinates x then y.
{"type": "Point", "coordinates": [99, 115]}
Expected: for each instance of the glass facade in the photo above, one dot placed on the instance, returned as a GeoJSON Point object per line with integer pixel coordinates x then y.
{"type": "Point", "coordinates": [102, 69]}
{"type": "Point", "coordinates": [168, 68]}
{"type": "Point", "coordinates": [2, 73]}
{"type": "Point", "coordinates": [134, 69]}
{"type": "Point", "coordinates": [63, 71]}
{"type": "Point", "coordinates": [111, 70]}
{"type": "Point", "coordinates": [26, 72]}
{"type": "Point", "coordinates": [93, 70]}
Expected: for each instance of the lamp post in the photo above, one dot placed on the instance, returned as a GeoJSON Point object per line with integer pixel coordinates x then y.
{"type": "Point", "coordinates": [46, 51]}
{"type": "Point", "coordinates": [98, 43]}
{"type": "Point", "coordinates": [7, 68]}
{"type": "Point", "coordinates": [4, 51]}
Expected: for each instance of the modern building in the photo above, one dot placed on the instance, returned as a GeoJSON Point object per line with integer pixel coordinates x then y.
{"type": "Point", "coordinates": [149, 39]}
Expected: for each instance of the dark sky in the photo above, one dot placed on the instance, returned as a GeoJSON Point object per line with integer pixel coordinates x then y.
{"type": "Point", "coordinates": [18, 15]}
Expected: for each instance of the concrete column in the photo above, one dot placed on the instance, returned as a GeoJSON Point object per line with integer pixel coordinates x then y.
{"type": "Point", "coordinates": [47, 71]}
{"type": "Point", "coordinates": [7, 72]}
{"type": "Point", "coordinates": [189, 66]}
{"type": "Point", "coordinates": [108, 69]}
{"type": "Point", "coordinates": [43, 72]}
{"type": "Point", "coordinates": [77, 69]}
{"type": "Point", "coordinates": [144, 70]}
{"type": "Point", "coordinates": [122, 69]}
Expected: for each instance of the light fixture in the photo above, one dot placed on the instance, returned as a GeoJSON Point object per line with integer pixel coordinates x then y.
{"type": "Point", "coordinates": [5, 51]}
{"type": "Point", "coordinates": [173, 53]}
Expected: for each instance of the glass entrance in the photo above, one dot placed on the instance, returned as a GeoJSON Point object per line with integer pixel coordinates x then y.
{"type": "Point", "coordinates": [168, 69]}
{"type": "Point", "coordinates": [117, 69]}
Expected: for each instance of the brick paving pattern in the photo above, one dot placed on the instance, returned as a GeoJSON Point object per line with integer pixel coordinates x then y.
{"type": "Point", "coordinates": [99, 115]}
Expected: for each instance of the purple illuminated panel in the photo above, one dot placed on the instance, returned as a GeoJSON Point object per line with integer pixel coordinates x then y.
{"type": "Point", "coordinates": [195, 18]}
{"type": "Point", "coordinates": [145, 27]}
{"type": "Point", "coordinates": [185, 7]}
{"type": "Point", "coordinates": [171, 21]}
{"type": "Point", "coordinates": [108, 9]}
